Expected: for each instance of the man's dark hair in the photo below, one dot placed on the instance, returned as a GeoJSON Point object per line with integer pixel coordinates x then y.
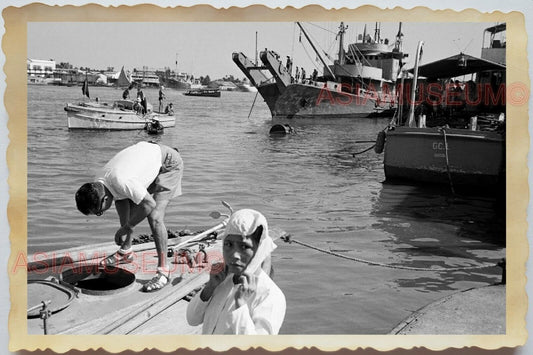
{"type": "Point", "coordinates": [88, 198]}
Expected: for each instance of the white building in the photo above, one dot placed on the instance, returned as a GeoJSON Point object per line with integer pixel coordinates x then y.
{"type": "Point", "coordinates": [41, 68]}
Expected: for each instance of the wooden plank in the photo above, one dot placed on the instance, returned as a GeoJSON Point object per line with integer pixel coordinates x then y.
{"type": "Point", "coordinates": [128, 315]}
{"type": "Point", "coordinates": [158, 307]}
{"type": "Point", "coordinates": [171, 321]}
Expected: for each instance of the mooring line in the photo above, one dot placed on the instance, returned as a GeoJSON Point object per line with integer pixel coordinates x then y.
{"type": "Point", "coordinates": [287, 238]}
{"type": "Point", "coordinates": [364, 151]}
{"type": "Point", "coordinates": [447, 160]}
{"type": "Point", "coordinates": [251, 108]}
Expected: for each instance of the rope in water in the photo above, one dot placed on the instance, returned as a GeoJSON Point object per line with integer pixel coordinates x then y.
{"type": "Point", "coordinates": [288, 239]}
{"type": "Point", "coordinates": [447, 160]}
{"type": "Point", "coordinates": [251, 108]}
{"type": "Point", "coordinates": [364, 151]}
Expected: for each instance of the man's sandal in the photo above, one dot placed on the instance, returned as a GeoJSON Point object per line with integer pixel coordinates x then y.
{"type": "Point", "coordinates": [120, 257]}
{"type": "Point", "coordinates": [159, 281]}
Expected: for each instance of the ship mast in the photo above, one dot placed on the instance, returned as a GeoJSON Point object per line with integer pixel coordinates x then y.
{"type": "Point", "coordinates": [256, 48]}
{"type": "Point", "coordinates": [399, 35]}
{"type": "Point", "coordinates": [411, 121]}
{"type": "Point", "coordinates": [316, 51]}
{"type": "Point", "coordinates": [342, 31]}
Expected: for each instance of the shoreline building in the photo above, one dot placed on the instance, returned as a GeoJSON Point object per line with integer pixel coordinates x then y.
{"type": "Point", "coordinates": [40, 68]}
{"type": "Point", "coordinates": [40, 71]}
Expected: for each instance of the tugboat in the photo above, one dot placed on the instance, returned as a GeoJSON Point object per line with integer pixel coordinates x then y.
{"type": "Point", "coordinates": [360, 82]}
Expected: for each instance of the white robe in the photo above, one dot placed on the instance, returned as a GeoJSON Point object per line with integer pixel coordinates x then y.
{"type": "Point", "coordinates": [262, 314]}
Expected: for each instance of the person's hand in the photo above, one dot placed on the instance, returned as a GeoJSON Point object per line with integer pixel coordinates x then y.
{"type": "Point", "coordinates": [123, 234]}
{"type": "Point", "coordinates": [217, 275]}
{"type": "Point", "coordinates": [246, 288]}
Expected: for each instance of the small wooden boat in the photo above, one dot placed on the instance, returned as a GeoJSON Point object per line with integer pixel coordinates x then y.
{"type": "Point", "coordinates": [121, 115]}
{"type": "Point", "coordinates": [154, 127]}
{"type": "Point", "coordinates": [203, 92]}
{"type": "Point", "coordinates": [68, 293]}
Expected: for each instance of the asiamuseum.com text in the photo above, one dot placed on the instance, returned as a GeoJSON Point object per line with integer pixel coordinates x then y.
{"type": "Point", "coordinates": [449, 94]}
{"type": "Point", "coordinates": [142, 261]}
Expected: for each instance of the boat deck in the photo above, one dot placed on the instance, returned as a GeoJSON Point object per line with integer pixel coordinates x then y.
{"type": "Point", "coordinates": [128, 310]}
{"type": "Point", "coordinates": [85, 299]}
{"type": "Point", "coordinates": [170, 321]}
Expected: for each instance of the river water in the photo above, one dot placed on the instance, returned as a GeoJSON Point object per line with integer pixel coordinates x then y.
{"type": "Point", "coordinates": [308, 184]}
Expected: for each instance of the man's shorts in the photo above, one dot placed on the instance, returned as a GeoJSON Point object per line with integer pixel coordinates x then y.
{"type": "Point", "coordinates": [168, 183]}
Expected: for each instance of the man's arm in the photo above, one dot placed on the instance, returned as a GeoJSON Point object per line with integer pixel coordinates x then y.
{"type": "Point", "coordinates": [140, 211]}
{"type": "Point", "coordinates": [130, 215]}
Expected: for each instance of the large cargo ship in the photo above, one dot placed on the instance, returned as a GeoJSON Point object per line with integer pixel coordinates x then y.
{"type": "Point", "coordinates": [359, 83]}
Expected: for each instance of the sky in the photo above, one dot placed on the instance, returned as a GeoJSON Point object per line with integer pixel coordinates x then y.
{"type": "Point", "coordinates": [205, 48]}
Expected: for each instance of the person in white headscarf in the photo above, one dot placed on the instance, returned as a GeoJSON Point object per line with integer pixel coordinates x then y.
{"type": "Point", "coordinates": [241, 298]}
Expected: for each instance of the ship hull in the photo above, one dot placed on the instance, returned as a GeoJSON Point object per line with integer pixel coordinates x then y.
{"type": "Point", "coordinates": [313, 100]}
{"type": "Point", "coordinates": [469, 158]}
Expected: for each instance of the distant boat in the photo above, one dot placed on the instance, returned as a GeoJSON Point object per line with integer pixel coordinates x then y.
{"type": "Point", "coordinates": [245, 87]}
{"type": "Point", "coordinates": [451, 136]}
{"type": "Point", "coordinates": [121, 115]}
{"type": "Point", "coordinates": [175, 79]}
{"type": "Point", "coordinates": [203, 92]}
{"type": "Point", "coordinates": [123, 81]}
{"type": "Point", "coordinates": [179, 81]}
{"type": "Point", "coordinates": [145, 78]}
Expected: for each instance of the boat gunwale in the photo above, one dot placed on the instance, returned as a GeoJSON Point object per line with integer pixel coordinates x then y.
{"type": "Point", "coordinates": [450, 132]}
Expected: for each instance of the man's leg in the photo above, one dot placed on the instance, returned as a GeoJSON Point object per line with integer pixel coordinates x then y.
{"type": "Point", "coordinates": [159, 231]}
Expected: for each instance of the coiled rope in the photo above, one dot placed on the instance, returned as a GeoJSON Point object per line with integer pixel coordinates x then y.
{"type": "Point", "coordinates": [288, 239]}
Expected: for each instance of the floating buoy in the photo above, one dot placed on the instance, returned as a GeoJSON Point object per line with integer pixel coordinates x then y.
{"type": "Point", "coordinates": [282, 129]}
{"type": "Point", "coordinates": [380, 142]}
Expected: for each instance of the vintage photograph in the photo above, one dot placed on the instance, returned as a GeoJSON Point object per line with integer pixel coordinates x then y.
{"type": "Point", "coordinates": [305, 177]}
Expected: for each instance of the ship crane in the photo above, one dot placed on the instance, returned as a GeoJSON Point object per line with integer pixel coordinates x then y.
{"type": "Point", "coordinates": [316, 51]}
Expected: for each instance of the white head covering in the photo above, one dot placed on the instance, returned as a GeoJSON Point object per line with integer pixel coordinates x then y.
{"type": "Point", "coordinates": [244, 222]}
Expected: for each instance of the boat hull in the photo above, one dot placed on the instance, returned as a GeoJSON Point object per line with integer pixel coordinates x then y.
{"type": "Point", "coordinates": [315, 100]}
{"type": "Point", "coordinates": [80, 117]}
{"type": "Point", "coordinates": [473, 158]}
